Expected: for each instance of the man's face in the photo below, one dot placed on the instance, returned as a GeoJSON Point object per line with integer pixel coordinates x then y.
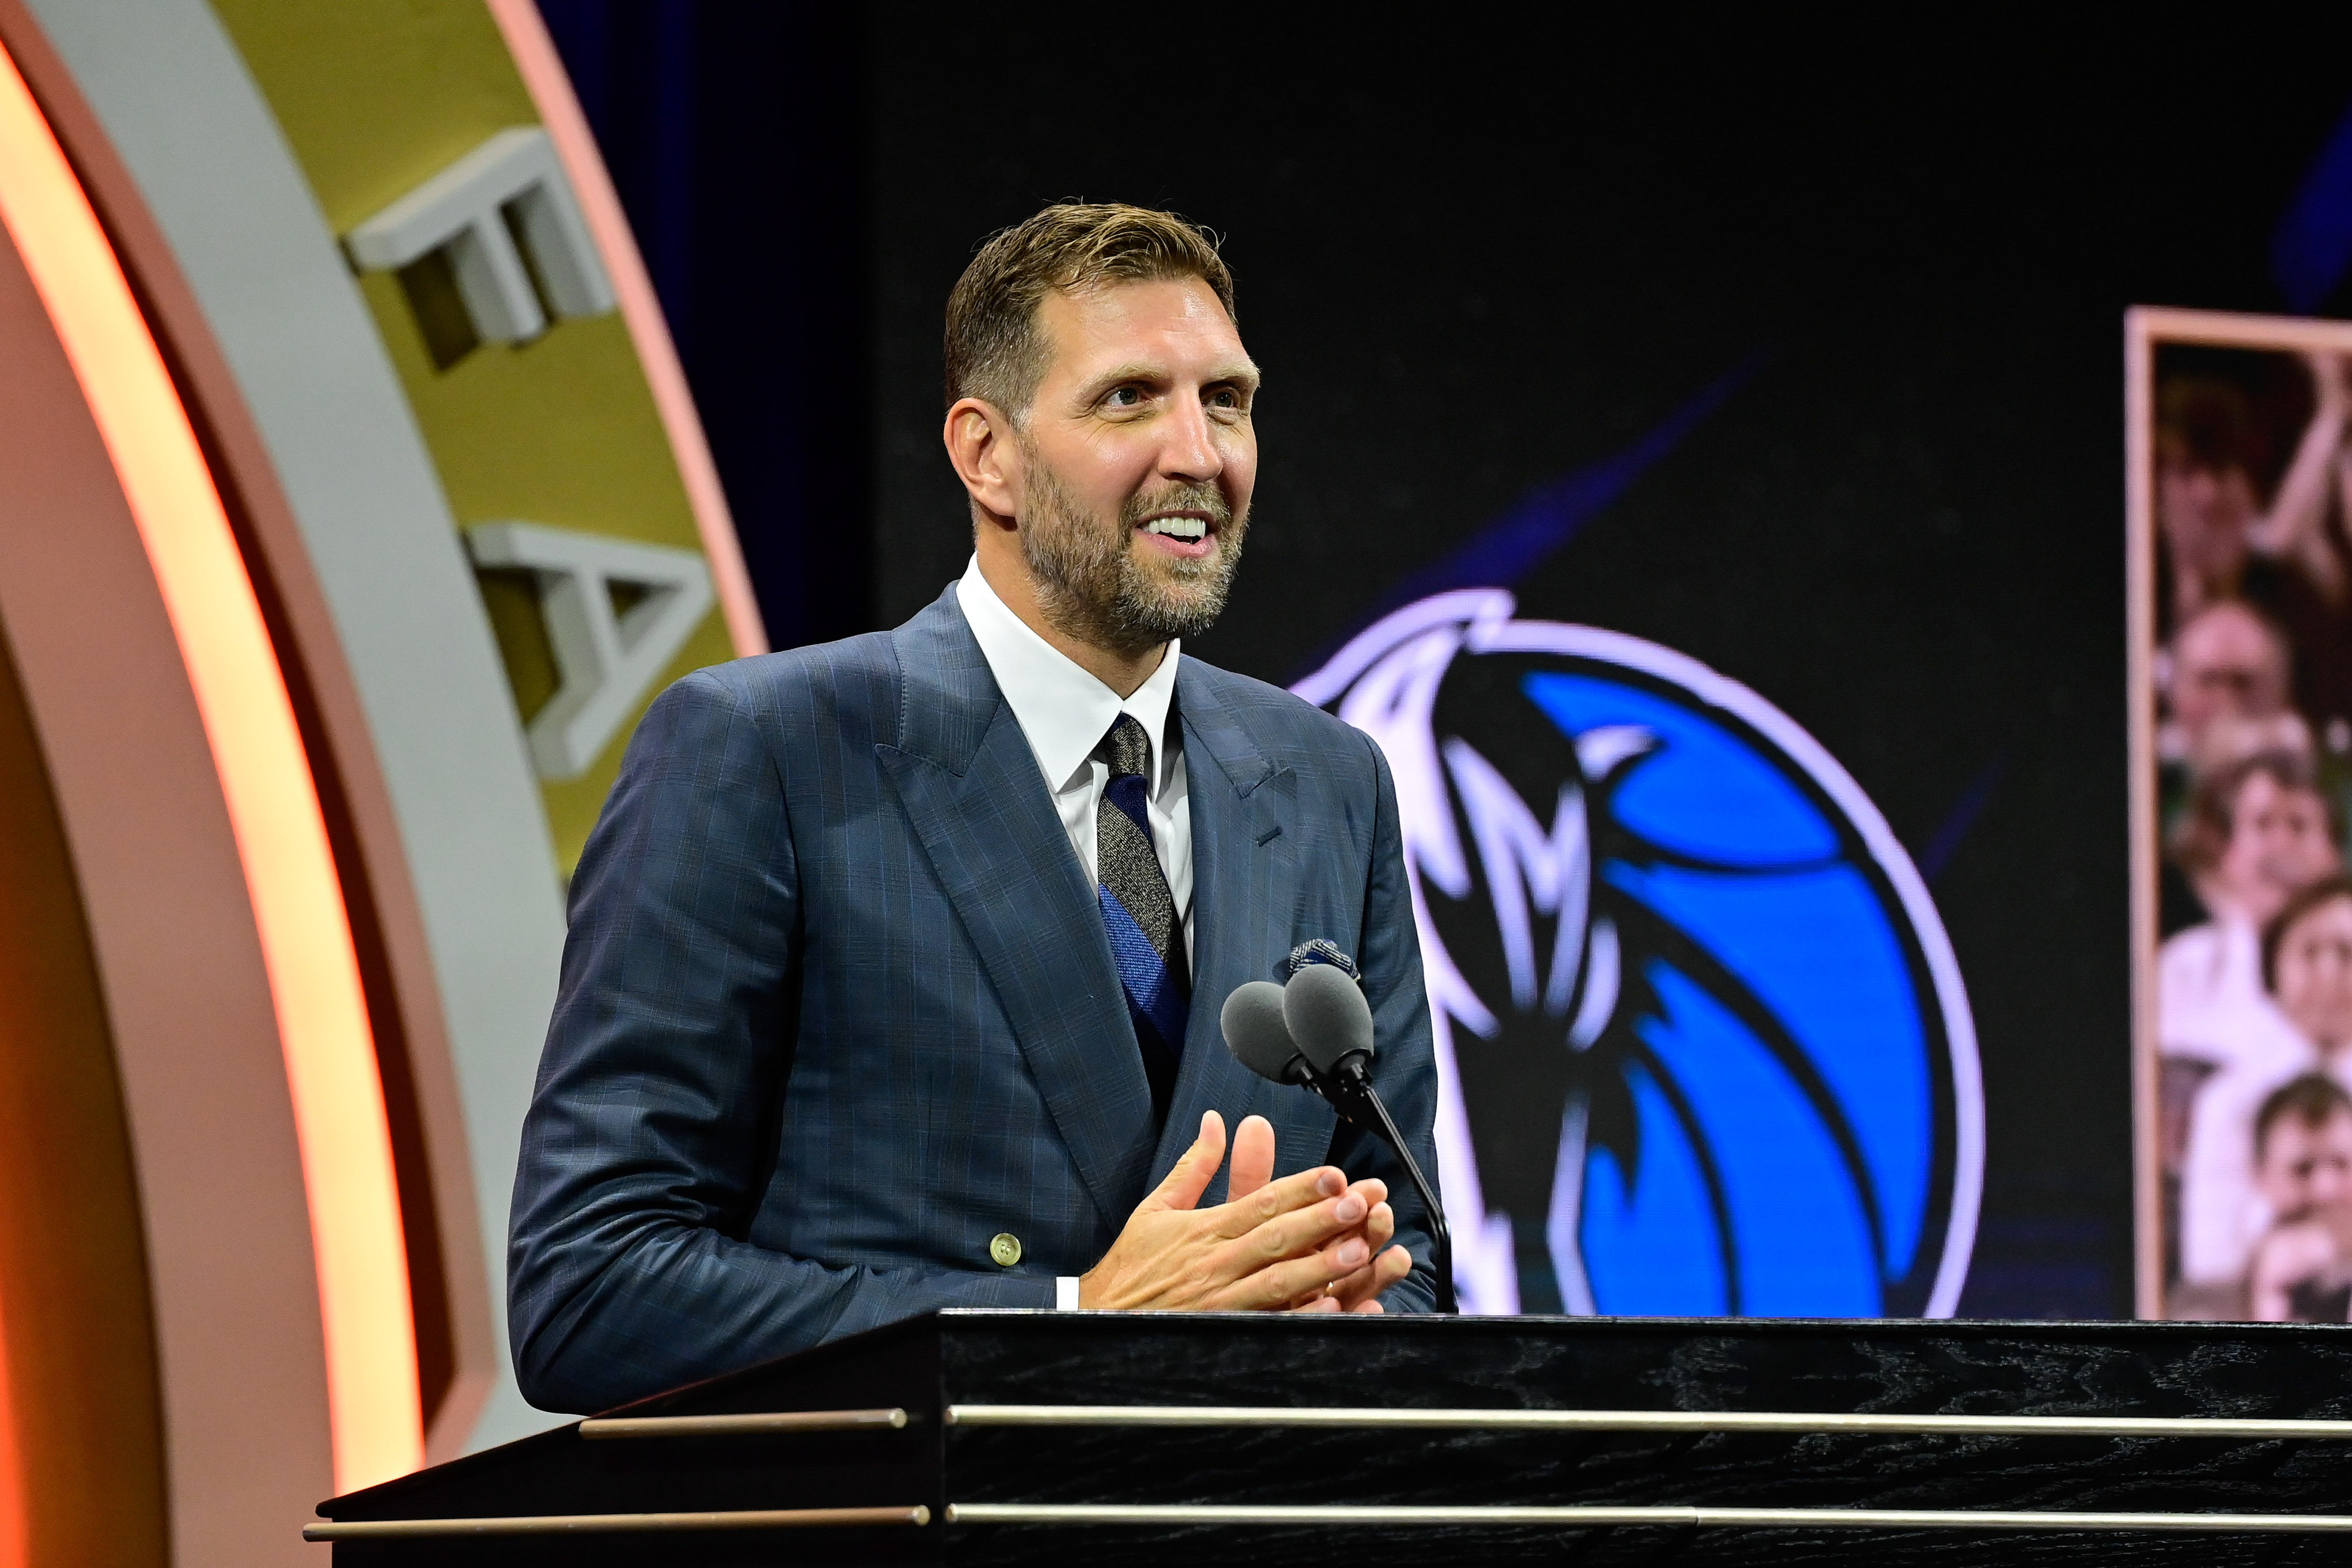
{"type": "Point", "coordinates": [2307, 1167]}
{"type": "Point", "coordinates": [2278, 843]}
{"type": "Point", "coordinates": [2227, 665]}
{"type": "Point", "coordinates": [2205, 513]}
{"type": "Point", "coordinates": [1138, 459]}
{"type": "Point", "coordinates": [2314, 972]}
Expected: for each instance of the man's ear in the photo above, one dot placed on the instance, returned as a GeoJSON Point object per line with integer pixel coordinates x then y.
{"type": "Point", "coordinates": [986, 458]}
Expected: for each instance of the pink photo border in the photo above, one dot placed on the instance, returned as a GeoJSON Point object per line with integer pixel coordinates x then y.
{"type": "Point", "coordinates": [2146, 326]}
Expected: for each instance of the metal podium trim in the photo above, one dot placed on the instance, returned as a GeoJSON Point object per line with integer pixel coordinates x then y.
{"type": "Point", "coordinates": [1595, 1516]}
{"type": "Point", "coordinates": [1640, 1421]}
{"type": "Point", "coordinates": [738, 1425]}
{"type": "Point", "coordinates": [598, 1523]}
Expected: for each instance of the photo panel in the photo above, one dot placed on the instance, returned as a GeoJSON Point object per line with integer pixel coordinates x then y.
{"type": "Point", "coordinates": [2239, 575]}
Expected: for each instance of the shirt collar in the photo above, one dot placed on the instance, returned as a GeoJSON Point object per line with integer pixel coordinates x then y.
{"type": "Point", "coordinates": [1063, 710]}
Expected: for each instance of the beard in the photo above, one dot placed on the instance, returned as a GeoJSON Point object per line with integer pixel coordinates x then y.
{"type": "Point", "coordinates": [1093, 584]}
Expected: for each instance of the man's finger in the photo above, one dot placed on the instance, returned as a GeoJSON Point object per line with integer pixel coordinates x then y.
{"type": "Point", "coordinates": [1300, 1231]}
{"type": "Point", "coordinates": [1190, 1178]}
{"type": "Point", "coordinates": [1253, 1165]}
{"type": "Point", "coordinates": [1317, 1229]}
{"type": "Point", "coordinates": [1278, 1284]}
{"type": "Point", "coordinates": [1378, 1231]}
{"type": "Point", "coordinates": [1280, 1197]}
{"type": "Point", "coordinates": [1367, 1283]}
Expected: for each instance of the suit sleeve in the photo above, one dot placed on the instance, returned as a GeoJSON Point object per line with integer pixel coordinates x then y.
{"type": "Point", "coordinates": [1404, 1065]}
{"type": "Point", "coordinates": [650, 1138]}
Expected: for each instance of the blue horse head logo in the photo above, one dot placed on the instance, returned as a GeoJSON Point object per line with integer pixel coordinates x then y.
{"type": "Point", "coordinates": [1703, 1044]}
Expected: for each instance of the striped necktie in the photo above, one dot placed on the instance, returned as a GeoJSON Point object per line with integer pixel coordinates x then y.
{"type": "Point", "coordinates": [1147, 937]}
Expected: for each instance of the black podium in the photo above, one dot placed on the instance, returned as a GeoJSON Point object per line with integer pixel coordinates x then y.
{"type": "Point", "coordinates": [1068, 1438]}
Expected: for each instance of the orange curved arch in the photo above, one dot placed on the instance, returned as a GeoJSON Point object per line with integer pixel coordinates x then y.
{"type": "Point", "coordinates": [14, 1548]}
{"type": "Point", "coordinates": [374, 1407]}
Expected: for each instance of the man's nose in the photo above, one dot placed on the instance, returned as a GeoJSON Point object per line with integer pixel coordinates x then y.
{"type": "Point", "coordinates": [1189, 450]}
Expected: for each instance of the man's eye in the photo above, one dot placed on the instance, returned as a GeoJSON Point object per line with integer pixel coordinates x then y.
{"type": "Point", "coordinates": [1224, 397]}
{"type": "Point", "coordinates": [1124, 397]}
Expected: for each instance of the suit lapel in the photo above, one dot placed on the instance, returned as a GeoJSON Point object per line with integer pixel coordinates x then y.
{"type": "Point", "coordinates": [974, 799]}
{"type": "Point", "coordinates": [1243, 841]}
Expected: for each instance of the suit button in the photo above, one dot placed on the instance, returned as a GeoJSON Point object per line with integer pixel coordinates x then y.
{"type": "Point", "coordinates": [1005, 1248]}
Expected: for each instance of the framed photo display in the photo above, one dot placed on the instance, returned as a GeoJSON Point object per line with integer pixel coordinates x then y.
{"type": "Point", "coordinates": [2239, 500]}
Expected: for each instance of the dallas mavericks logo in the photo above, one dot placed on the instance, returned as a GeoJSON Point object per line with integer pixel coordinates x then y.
{"type": "Point", "coordinates": [1703, 1044]}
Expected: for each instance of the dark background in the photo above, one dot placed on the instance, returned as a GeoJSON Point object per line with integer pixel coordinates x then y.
{"type": "Point", "coordinates": [1882, 289]}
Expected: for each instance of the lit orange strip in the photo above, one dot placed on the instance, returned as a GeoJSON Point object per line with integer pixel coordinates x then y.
{"type": "Point", "coordinates": [273, 803]}
{"type": "Point", "coordinates": [15, 1548]}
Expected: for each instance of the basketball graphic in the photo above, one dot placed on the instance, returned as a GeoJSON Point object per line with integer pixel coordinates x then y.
{"type": "Point", "coordinates": [1704, 1043]}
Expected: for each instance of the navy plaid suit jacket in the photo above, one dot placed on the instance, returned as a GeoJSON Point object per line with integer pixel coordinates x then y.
{"type": "Point", "coordinates": [837, 1008]}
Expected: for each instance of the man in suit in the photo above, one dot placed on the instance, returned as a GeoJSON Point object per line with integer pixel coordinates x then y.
{"type": "Point", "coordinates": [895, 964]}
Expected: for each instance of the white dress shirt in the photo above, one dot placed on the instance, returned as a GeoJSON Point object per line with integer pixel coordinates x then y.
{"type": "Point", "coordinates": [2211, 1003]}
{"type": "Point", "coordinates": [2212, 1007]}
{"type": "Point", "coordinates": [1063, 713]}
{"type": "Point", "coordinates": [2223, 1214]}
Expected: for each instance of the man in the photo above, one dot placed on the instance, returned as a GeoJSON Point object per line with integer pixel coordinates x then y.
{"type": "Point", "coordinates": [2302, 1143]}
{"type": "Point", "coordinates": [2221, 541]}
{"type": "Point", "coordinates": [895, 964]}
{"type": "Point", "coordinates": [2257, 832]}
{"type": "Point", "coordinates": [2225, 678]}
{"type": "Point", "coordinates": [2228, 688]}
{"type": "Point", "coordinates": [2230, 1192]}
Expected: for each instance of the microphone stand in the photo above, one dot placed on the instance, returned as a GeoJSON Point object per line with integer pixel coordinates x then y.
{"type": "Point", "coordinates": [1352, 1095]}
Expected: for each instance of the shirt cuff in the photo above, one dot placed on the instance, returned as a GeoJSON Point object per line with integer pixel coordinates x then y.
{"type": "Point", "coordinates": [1066, 1292]}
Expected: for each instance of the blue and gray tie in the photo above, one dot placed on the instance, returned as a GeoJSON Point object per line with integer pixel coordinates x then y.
{"type": "Point", "coordinates": [1147, 939]}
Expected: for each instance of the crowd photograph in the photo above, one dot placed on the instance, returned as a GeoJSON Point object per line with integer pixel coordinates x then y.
{"type": "Point", "coordinates": [2250, 485]}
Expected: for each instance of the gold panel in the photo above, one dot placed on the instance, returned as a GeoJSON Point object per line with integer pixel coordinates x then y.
{"type": "Point", "coordinates": [375, 97]}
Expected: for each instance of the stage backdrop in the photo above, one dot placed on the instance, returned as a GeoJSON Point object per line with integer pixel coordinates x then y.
{"type": "Point", "coordinates": [1706, 479]}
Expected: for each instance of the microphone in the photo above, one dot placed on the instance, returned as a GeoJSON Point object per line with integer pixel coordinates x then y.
{"type": "Point", "coordinates": [1259, 1039]}
{"type": "Point", "coordinates": [1316, 1032]}
{"type": "Point", "coordinates": [1329, 1019]}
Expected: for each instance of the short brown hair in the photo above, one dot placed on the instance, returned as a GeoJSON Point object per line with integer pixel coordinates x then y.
{"type": "Point", "coordinates": [2315, 1100]}
{"type": "Point", "coordinates": [2325, 890]}
{"type": "Point", "coordinates": [2203, 836]}
{"type": "Point", "coordinates": [2204, 421]}
{"type": "Point", "coordinates": [993, 351]}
